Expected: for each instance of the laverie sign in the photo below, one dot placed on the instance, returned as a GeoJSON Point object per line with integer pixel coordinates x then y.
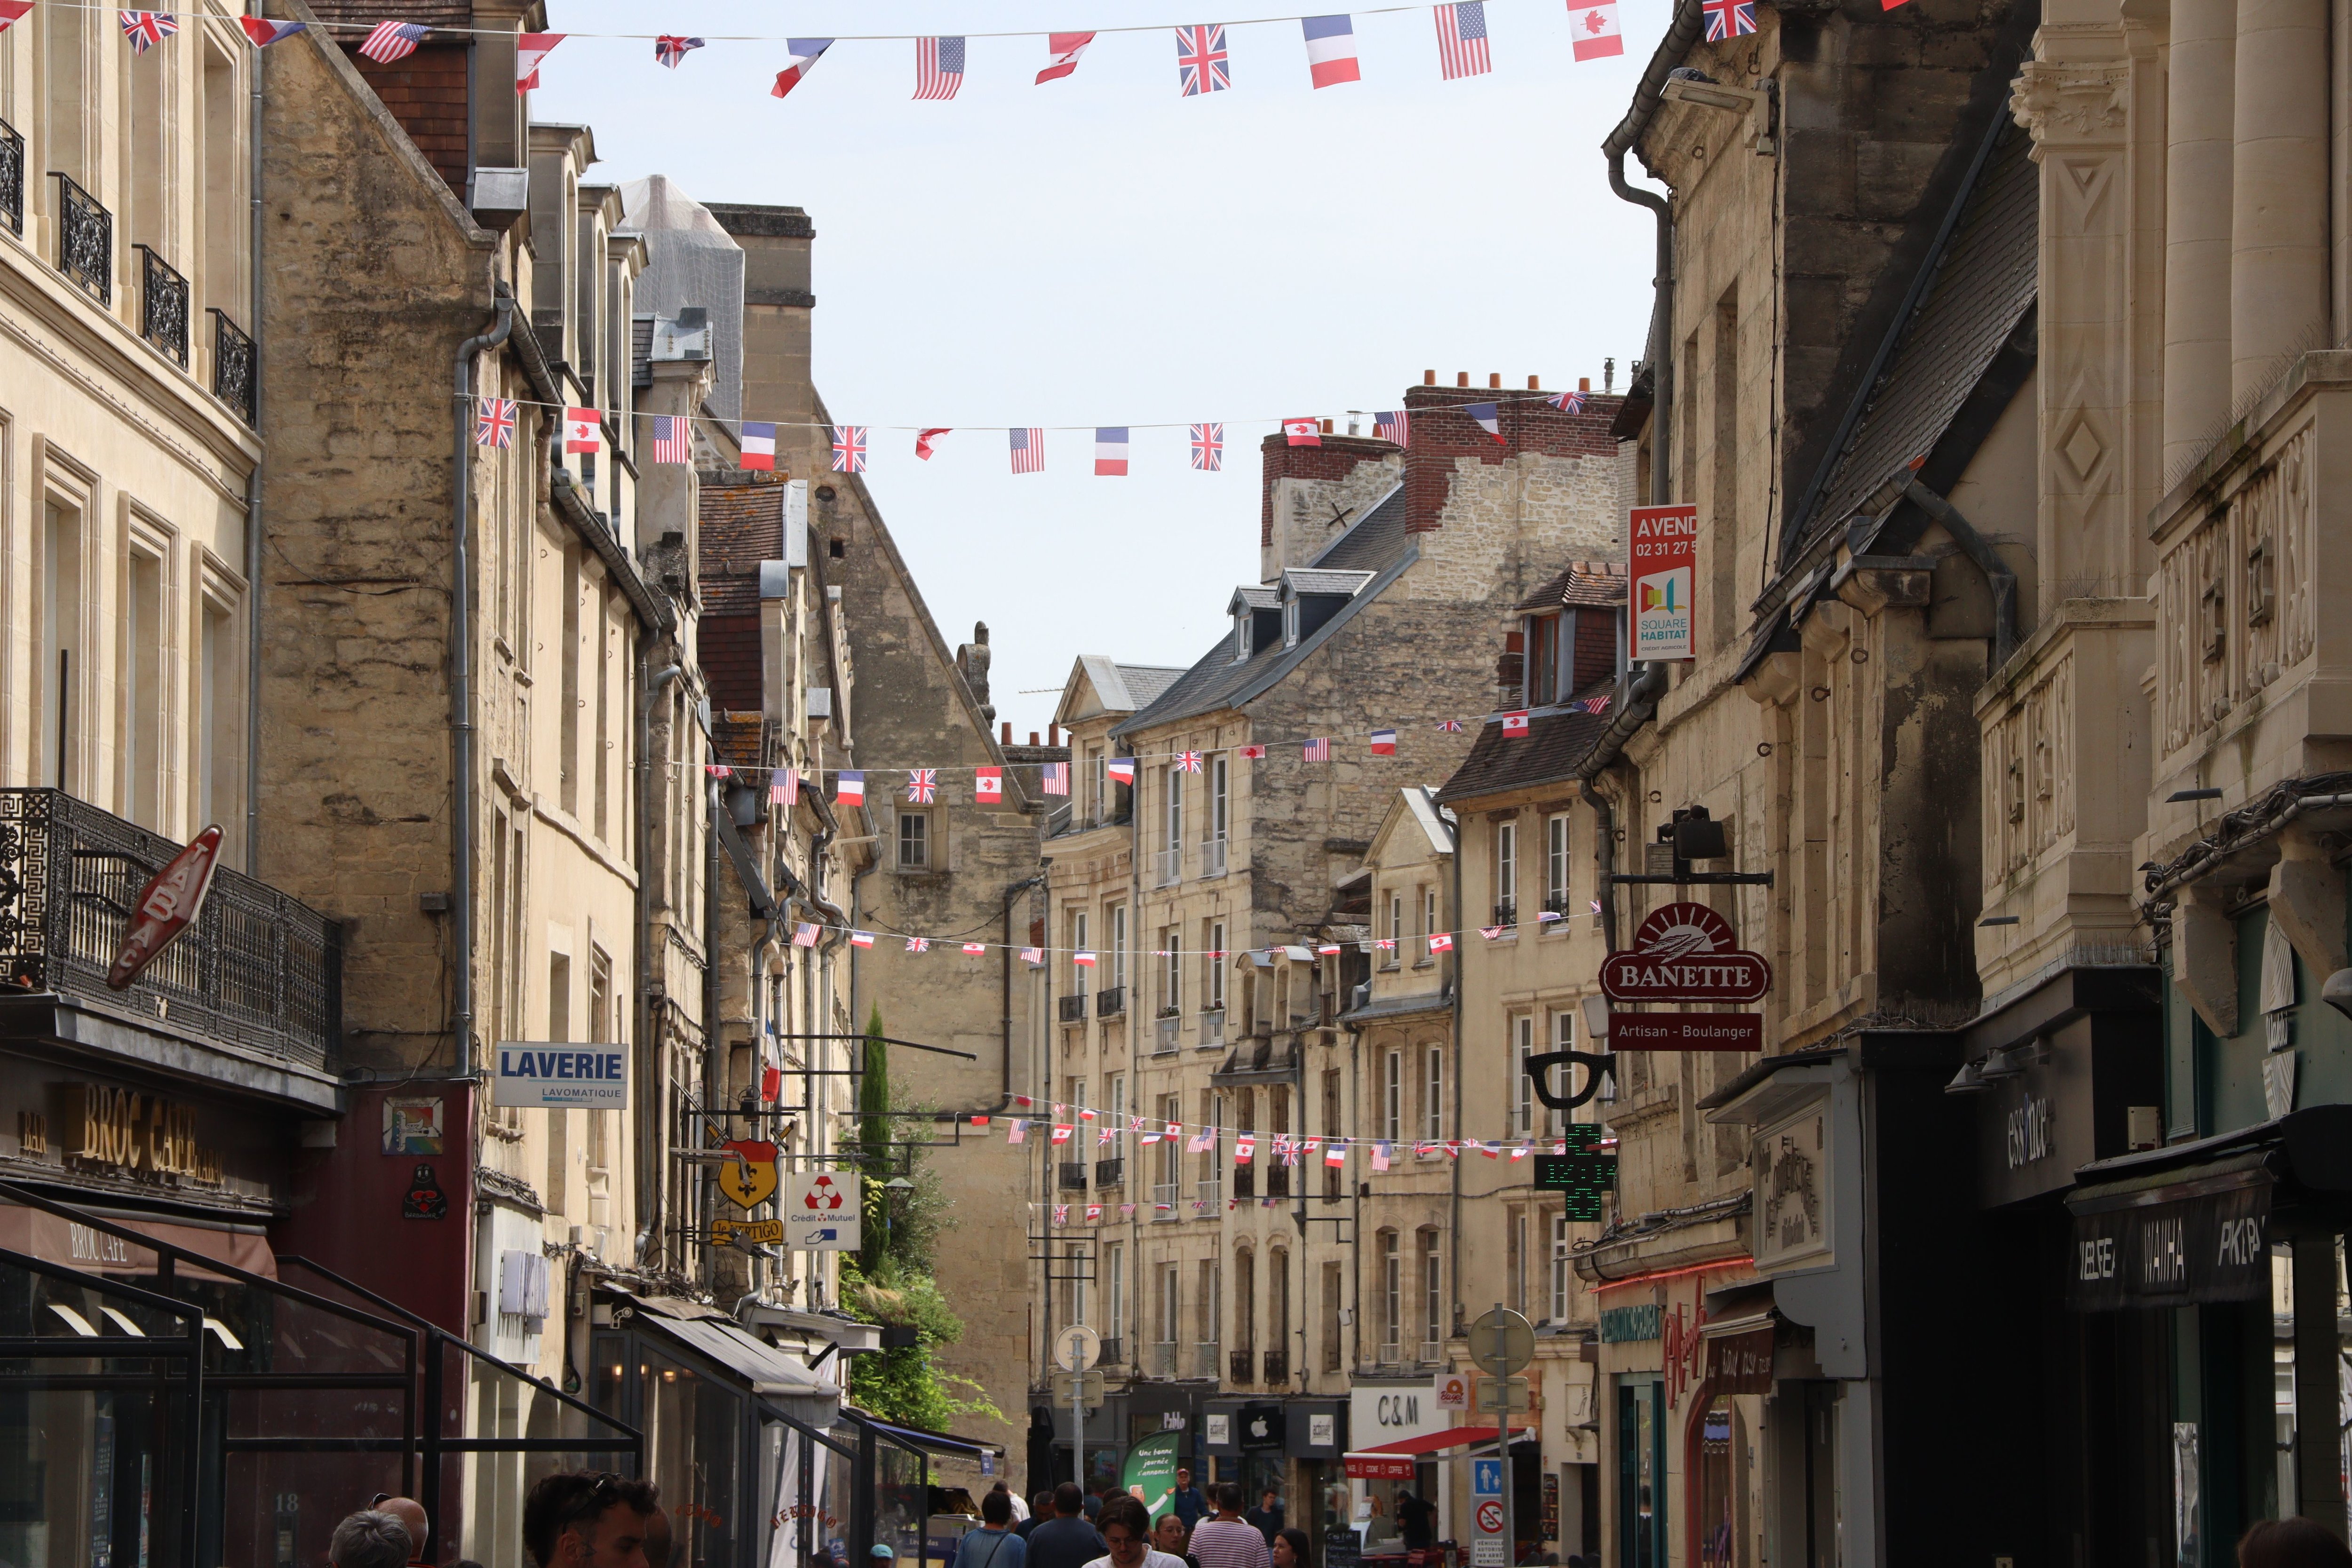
{"type": "Point", "coordinates": [559, 1076]}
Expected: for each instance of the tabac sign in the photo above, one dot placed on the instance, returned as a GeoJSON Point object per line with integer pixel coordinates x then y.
{"type": "Point", "coordinates": [1685, 953]}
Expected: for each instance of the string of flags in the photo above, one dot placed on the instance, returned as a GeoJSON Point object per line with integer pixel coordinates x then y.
{"type": "Point", "coordinates": [808, 933]}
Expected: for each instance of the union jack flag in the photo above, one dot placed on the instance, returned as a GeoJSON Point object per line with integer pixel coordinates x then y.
{"type": "Point", "coordinates": [1201, 63]}
{"type": "Point", "coordinates": [494, 423]}
{"type": "Point", "coordinates": [1450, 726]}
{"type": "Point", "coordinates": [390, 41]}
{"type": "Point", "coordinates": [1208, 444]}
{"type": "Point", "coordinates": [1188, 761]}
{"type": "Point", "coordinates": [1318, 750]}
{"type": "Point", "coordinates": [922, 786]}
{"type": "Point", "coordinates": [1061, 1214]}
{"type": "Point", "coordinates": [1057, 778]}
{"type": "Point", "coordinates": [670, 49]}
{"type": "Point", "coordinates": [1395, 427]}
{"type": "Point", "coordinates": [1729, 18]}
{"type": "Point", "coordinates": [1571, 402]}
{"type": "Point", "coordinates": [849, 448]}
{"type": "Point", "coordinates": [672, 439]}
{"type": "Point", "coordinates": [918, 944]}
{"type": "Point", "coordinates": [145, 29]}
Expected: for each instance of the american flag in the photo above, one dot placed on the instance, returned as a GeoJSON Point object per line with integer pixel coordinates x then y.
{"type": "Point", "coordinates": [1567, 401]}
{"type": "Point", "coordinates": [1728, 18]}
{"type": "Point", "coordinates": [1200, 64]}
{"type": "Point", "coordinates": [1028, 447]}
{"type": "Point", "coordinates": [918, 944]}
{"type": "Point", "coordinates": [849, 448]}
{"type": "Point", "coordinates": [390, 41]}
{"type": "Point", "coordinates": [1590, 705]}
{"type": "Point", "coordinates": [1208, 446]}
{"type": "Point", "coordinates": [1057, 778]}
{"type": "Point", "coordinates": [1318, 749]}
{"type": "Point", "coordinates": [673, 441]}
{"type": "Point", "coordinates": [1450, 726]}
{"type": "Point", "coordinates": [784, 786]}
{"type": "Point", "coordinates": [1395, 427]}
{"type": "Point", "coordinates": [922, 786]}
{"type": "Point", "coordinates": [1188, 761]}
{"type": "Point", "coordinates": [1462, 39]}
{"type": "Point", "coordinates": [1490, 932]}
{"type": "Point", "coordinates": [494, 423]}
{"type": "Point", "coordinates": [1032, 955]}
{"type": "Point", "coordinates": [805, 934]}
{"type": "Point", "coordinates": [938, 66]}
{"type": "Point", "coordinates": [669, 48]}
{"type": "Point", "coordinates": [1382, 1151]}
{"type": "Point", "coordinates": [145, 29]}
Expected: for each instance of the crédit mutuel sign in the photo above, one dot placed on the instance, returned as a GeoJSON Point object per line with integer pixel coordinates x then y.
{"type": "Point", "coordinates": [556, 1075]}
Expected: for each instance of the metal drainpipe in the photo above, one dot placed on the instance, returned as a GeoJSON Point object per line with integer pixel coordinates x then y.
{"type": "Point", "coordinates": [1454, 958]}
{"type": "Point", "coordinates": [648, 1140]}
{"type": "Point", "coordinates": [253, 496]}
{"type": "Point", "coordinates": [711, 1044]}
{"type": "Point", "coordinates": [461, 683]}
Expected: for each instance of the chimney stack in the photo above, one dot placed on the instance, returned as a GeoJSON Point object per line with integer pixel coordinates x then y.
{"type": "Point", "coordinates": [1583, 383]}
{"type": "Point", "coordinates": [1007, 734]}
{"type": "Point", "coordinates": [1033, 737]}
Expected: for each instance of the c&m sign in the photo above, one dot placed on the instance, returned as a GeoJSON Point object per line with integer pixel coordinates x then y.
{"type": "Point", "coordinates": [559, 1076]}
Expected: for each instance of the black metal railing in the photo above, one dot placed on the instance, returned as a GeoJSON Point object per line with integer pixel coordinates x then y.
{"type": "Point", "coordinates": [1244, 1181]}
{"type": "Point", "coordinates": [1506, 914]}
{"type": "Point", "coordinates": [1110, 1172]}
{"type": "Point", "coordinates": [163, 305]}
{"type": "Point", "coordinates": [1074, 1008]}
{"type": "Point", "coordinates": [1277, 1366]}
{"type": "Point", "coordinates": [258, 970]}
{"type": "Point", "coordinates": [1114, 1352]}
{"type": "Point", "coordinates": [85, 239]}
{"type": "Point", "coordinates": [1241, 1367]}
{"type": "Point", "coordinates": [235, 376]}
{"type": "Point", "coordinates": [1073, 1175]}
{"type": "Point", "coordinates": [1110, 1002]}
{"type": "Point", "coordinates": [1278, 1181]}
{"type": "Point", "coordinates": [12, 178]}
{"type": "Point", "coordinates": [1555, 903]}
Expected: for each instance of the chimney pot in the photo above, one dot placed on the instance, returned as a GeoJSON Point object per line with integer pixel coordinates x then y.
{"type": "Point", "coordinates": [1327, 427]}
{"type": "Point", "coordinates": [1535, 383]}
{"type": "Point", "coordinates": [1008, 734]}
{"type": "Point", "coordinates": [1494, 381]}
{"type": "Point", "coordinates": [1429, 378]}
{"type": "Point", "coordinates": [1053, 734]}
{"type": "Point", "coordinates": [1033, 737]}
{"type": "Point", "coordinates": [1460, 378]}
{"type": "Point", "coordinates": [1583, 383]}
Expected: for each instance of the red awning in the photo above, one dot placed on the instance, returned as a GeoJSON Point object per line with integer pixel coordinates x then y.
{"type": "Point", "coordinates": [1431, 1442]}
{"type": "Point", "coordinates": [1380, 1466]}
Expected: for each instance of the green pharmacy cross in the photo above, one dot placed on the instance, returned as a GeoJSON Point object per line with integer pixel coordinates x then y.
{"type": "Point", "coordinates": [1581, 1174]}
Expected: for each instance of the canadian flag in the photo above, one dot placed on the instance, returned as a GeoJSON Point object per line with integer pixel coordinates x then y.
{"type": "Point", "coordinates": [1304, 432]}
{"type": "Point", "coordinates": [1515, 723]}
{"type": "Point", "coordinates": [1061, 1132]}
{"type": "Point", "coordinates": [1244, 1147]}
{"type": "Point", "coordinates": [987, 785]}
{"type": "Point", "coordinates": [584, 430]}
{"type": "Point", "coordinates": [1441, 943]}
{"type": "Point", "coordinates": [1595, 27]}
{"type": "Point", "coordinates": [529, 49]}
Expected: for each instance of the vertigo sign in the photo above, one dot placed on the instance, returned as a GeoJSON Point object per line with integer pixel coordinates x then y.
{"type": "Point", "coordinates": [1685, 953]}
{"type": "Point", "coordinates": [1664, 568]}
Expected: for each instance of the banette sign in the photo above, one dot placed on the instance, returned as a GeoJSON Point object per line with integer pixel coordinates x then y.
{"type": "Point", "coordinates": [1685, 953]}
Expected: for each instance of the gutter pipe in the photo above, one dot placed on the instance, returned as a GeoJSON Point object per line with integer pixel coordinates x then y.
{"type": "Point", "coordinates": [648, 1140]}
{"type": "Point", "coordinates": [461, 682]}
{"type": "Point", "coordinates": [253, 496]}
{"type": "Point", "coordinates": [1997, 575]}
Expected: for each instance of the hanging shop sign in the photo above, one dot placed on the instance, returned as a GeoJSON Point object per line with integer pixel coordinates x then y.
{"type": "Point", "coordinates": [749, 1232]}
{"type": "Point", "coordinates": [749, 1178]}
{"type": "Point", "coordinates": [558, 1076]}
{"type": "Point", "coordinates": [1583, 1174]}
{"type": "Point", "coordinates": [1686, 1031]}
{"type": "Point", "coordinates": [1791, 1160]}
{"type": "Point", "coordinates": [1684, 953]}
{"type": "Point", "coordinates": [167, 906]}
{"type": "Point", "coordinates": [133, 1135]}
{"type": "Point", "coordinates": [1664, 571]}
{"type": "Point", "coordinates": [823, 1212]}
{"type": "Point", "coordinates": [1741, 1362]}
{"type": "Point", "coordinates": [2172, 1251]}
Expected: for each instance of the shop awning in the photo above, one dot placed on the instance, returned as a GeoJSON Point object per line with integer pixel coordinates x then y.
{"type": "Point", "coordinates": [1437, 1442]}
{"type": "Point", "coordinates": [938, 1442]}
{"type": "Point", "coordinates": [792, 1387]}
{"type": "Point", "coordinates": [61, 1240]}
{"type": "Point", "coordinates": [1379, 1467]}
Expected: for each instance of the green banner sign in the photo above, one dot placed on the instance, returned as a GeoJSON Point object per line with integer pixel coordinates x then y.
{"type": "Point", "coordinates": [1150, 1473]}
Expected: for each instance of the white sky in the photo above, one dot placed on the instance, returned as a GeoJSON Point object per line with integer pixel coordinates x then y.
{"type": "Point", "coordinates": [1099, 251]}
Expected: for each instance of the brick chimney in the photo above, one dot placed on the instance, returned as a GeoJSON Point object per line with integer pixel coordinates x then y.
{"type": "Point", "coordinates": [1303, 484]}
{"type": "Point", "coordinates": [1441, 435]}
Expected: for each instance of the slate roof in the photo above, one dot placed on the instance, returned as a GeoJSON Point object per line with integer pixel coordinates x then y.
{"type": "Point", "coordinates": [1984, 283]}
{"type": "Point", "coordinates": [1556, 741]}
{"type": "Point", "coordinates": [1216, 682]}
{"type": "Point", "coordinates": [1316, 580]}
{"type": "Point", "coordinates": [1596, 585]}
{"type": "Point", "coordinates": [1124, 688]}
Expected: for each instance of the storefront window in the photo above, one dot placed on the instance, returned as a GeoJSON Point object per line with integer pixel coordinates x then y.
{"type": "Point", "coordinates": [691, 1426]}
{"type": "Point", "coordinates": [900, 1482]}
{"type": "Point", "coordinates": [1718, 1528]}
{"type": "Point", "coordinates": [1641, 1475]}
{"type": "Point", "coordinates": [1397, 1515]}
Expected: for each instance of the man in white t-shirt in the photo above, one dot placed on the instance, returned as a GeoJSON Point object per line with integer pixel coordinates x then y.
{"type": "Point", "coordinates": [1125, 1526]}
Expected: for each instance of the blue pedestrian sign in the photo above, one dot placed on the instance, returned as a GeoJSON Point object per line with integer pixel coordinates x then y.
{"type": "Point", "coordinates": [1486, 1478]}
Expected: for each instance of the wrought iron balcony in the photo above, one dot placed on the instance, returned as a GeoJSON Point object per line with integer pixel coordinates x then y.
{"type": "Point", "coordinates": [1163, 1359]}
{"type": "Point", "coordinates": [1073, 1178]}
{"type": "Point", "coordinates": [1213, 857]}
{"type": "Point", "coordinates": [1114, 1352]}
{"type": "Point", "coordinates": [258, 970]}
{"type": "Point", "coordinates": [236, 378]}
{"type": "Point", "coordinates": [1242, 1368]}
{"type": "Point", "coordinates": [1277, 1366]}
{"type": "Point", "coordinates": [85, 239]}
{"type": "Point", "coordinates": [1507, 913]}
{"type": "Point", "coordinates": [1110, 1172]}
{"type": "Point", "coordinates": [1278, 1181]}
{"type": "Point", "coordinates": [1110, 1002]}
{"type": "Point", "coordinates": [162, 306]}
{"type": "Point", "coordinates": [1073, 1009]}
{"type": "Point", "coordinates": [12, 178]}
{"type": "Point", "coordinates": [1245, 1181]}
{"type": "Point", "coordinates": [1204, 1359]}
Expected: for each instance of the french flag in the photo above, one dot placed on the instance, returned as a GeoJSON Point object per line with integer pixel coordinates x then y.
{"type": "Point", "coordinates": [1331, 49]}
{"type": "Point", "coordinates": [260, 29]}
{"type": "Point", "coordinates": [758, 446]}
{"type": "Point", "coordinates": [1384, 742]}
{"type": "Point", "coordinates": [1110, 451]}
{"type": "Point", "coordinates": [1489, 419]}
{"type": "Point", "coordinates": [849, 789]}
{"type": "Point", "coordinates": [1123, 771]}
{"type": "Point", "coordinates": [805, 53]}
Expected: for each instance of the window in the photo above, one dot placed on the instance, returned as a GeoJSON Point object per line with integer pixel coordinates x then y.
{"type": "Point", "coordinates": [1209, 1316]}
{"type": "Point", "coordinates": [1433, 1297]}
{"type": "Point", "coordinates": [1335, 1312]}
{"type": "Point", "coordinates": [1290, 623]}
{"type": "Point", "coordinates": [1172, 972]}
{"type": "Point", "coordinates": [1244, 1301]}
{"type": "Point", "coordinates": [1432, 1092]}
{"type": "Point", "coordinates": [143, 702]}
{"type": "Point", "coordinates": [1392, 1097]}
{"type": "Point", "coordinates": [1079, 974]}
{"type": "Point", "coordinates": [1277, 1303]}
{"type": "Point", "coordinates": [1116, 1148]}
{"type": "Point", "coordinates": [1563, 1038]}
{"type": "Point", "coordinates": [559, 1122]}
{"type": "Point", "coordinates": [61, 617]}
{"type": "Point", "coordinates": [1395, 934]}
{"type": "Point", "coordinates": [1523, 1085]}
{"type": "Point", "coordinates": [1331, 1130]}
{"type": "Point", "coordinates": [1119, 944]}
{"type": "Point", "coordinates": [220, 744]}
{"type": "Point", "coordinates": [1170, 1150]}
{"type": "Point", "coordinates": [1542, 660]}
{"type": "Point", "coordinates": [1171, 1309]}
{"type": "Point", "coordinates": [1556, 865]}
{"type": "Point", "coordinates": [1099, 783]}
{"type": "Point", "coordinates": [1215, 971]}
{"type": "Point", "coordinates": [1560, 1268]}
{"type": "Point", "coordinates": [1506, 873]}
{"type": "Point", "coordinates": [1220, 797]}
{"type": "Point", "coordinates": [914, 841]}
{"type": "Point", "coordinates": [1081, 1299]}
{"type": "Point", "coordinates": [1515, 1258]}
{"type": "Point", "coordinates": [1392, 1298]}
{"type": "Point", "coordinates": [1173, 817]}
{"type": "Point", "coordinates": [1114, 1290]}
{"type": "Point", "coordinates": [1241, 634]}
{"type": "Point", "coordinates": [569, 700]}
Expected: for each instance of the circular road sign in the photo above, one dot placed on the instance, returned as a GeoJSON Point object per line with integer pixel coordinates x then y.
{"type": "Point", "coordinates": [1490, 1518]}
{"type": "Point", "coordinates": [1079, 1347]}
{"type": "Point", "coordinates": [1502, 1342]}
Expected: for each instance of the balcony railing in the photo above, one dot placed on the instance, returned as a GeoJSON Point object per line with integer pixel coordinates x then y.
{"type": "Point", "coordinates": [1110, 1172]}
{"type": "Point", "coordinates": [1164, 1204]}
{"type": "Point", "coordinates": [1555, 903]}
{"type": "Point", "coordinates": [1210, 1196]}
{"type": "Point", "coordinates": [11, 179]}
{"type": "Point", "coordinates": [1213, 857]}
{"type": "Point", "coordinates": [1245, 1181]}
{"type": "Point", "coordinates": [1167, 868]}
{"type": "Point", "coordinates": [1212, 1026]}
{"type": "Point", "coordinates": [85, 239]}
{"type": "Point", "coordinates": [1164, 1032]}
{"type": "Point", "coordinates": [1110, 1002]}
{"type": "Point", "coordinates": [1114, 1352]}
{"type": "Point", "coordinates": [258, 970]}
{"type": "Point", "coordinates": [235, 376]}
{"type": "Point", "coordinates": [1241, 1369]}
{"type": "Point", "coordinates": [1277, 1366]}
{"type": "Point", "coordinates": [1072, 1176]}
{"type": "Point", "coordinates": [1073, 1008]}
{"type": "Point", "coordinates": [1431, 1351]}
{"type": "Point", "coordinates": [1278, 1181]}
{"type": "Point", "coordinates": [1204, 1359]}
{"type": "Point", "coordinates": [163, 306]}
{"type": "Point", "coordinates": [1163, 1359]}
{"type": "Point", "coordinates": [1507, 913]}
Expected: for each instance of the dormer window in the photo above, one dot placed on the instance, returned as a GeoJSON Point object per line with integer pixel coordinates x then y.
{"type": "Point", "coordinates": [1543, 668]}
{"type": "Point", "coordinates": [1290, 623]}
{"type": "Point", "coordinates": [1241, 636]}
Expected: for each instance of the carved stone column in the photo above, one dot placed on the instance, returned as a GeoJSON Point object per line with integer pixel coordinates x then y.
{"type": "Point", "coordinates": [2200, 133]}
{"type": "Point", "coordinates": [2278, 239]}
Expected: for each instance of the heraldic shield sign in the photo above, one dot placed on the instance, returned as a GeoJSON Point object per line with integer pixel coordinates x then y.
{"type": "Point", "coordinates": [749, 1178]}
